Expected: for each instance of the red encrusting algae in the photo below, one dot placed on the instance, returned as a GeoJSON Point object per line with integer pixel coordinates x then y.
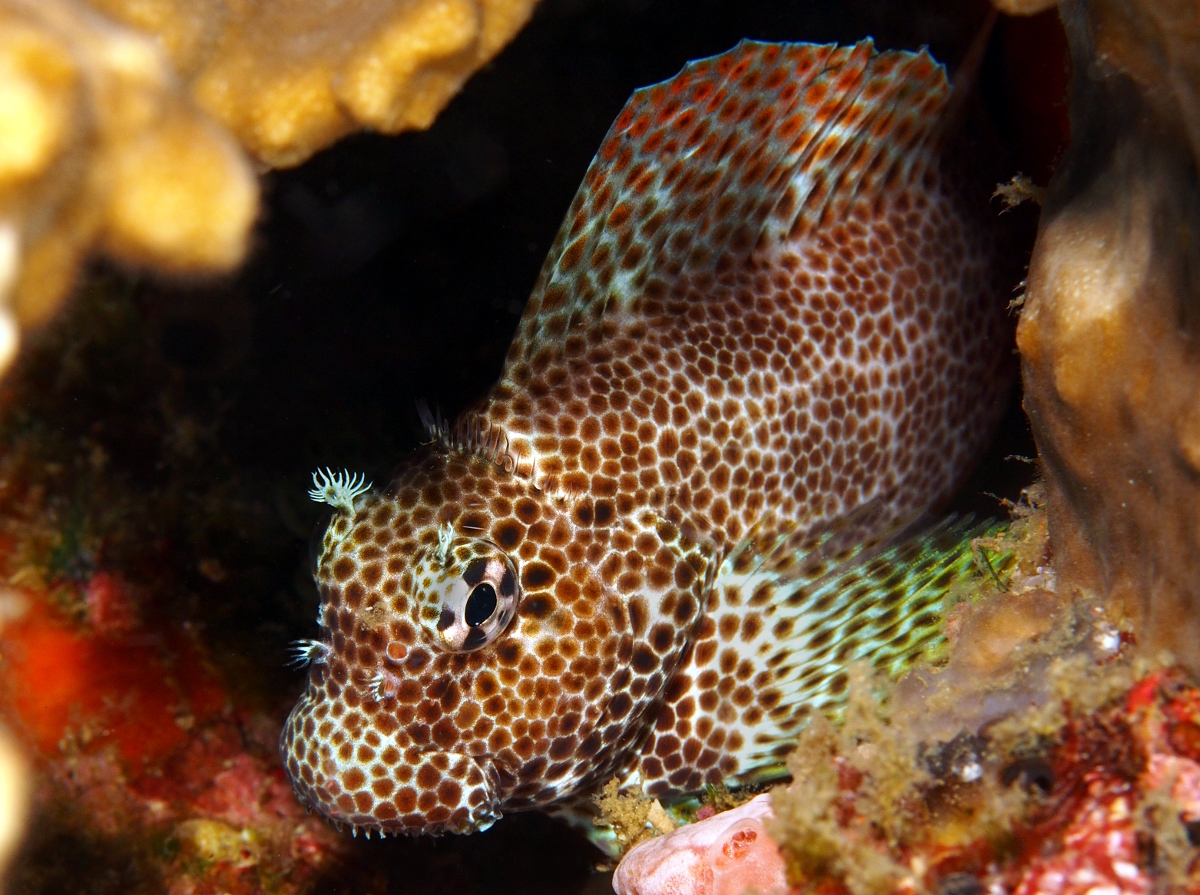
{"type": "Point", "coordinates": [135, 735]}
{"type": "Point", "coordinates": [137, 690]}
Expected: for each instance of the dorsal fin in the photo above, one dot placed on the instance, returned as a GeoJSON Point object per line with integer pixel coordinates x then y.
{"type": "Point", "coordinates": [765, 141]}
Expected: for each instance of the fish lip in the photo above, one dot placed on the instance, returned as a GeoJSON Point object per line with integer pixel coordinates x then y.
{"type": "Point", "coordinates": [480, 817]}
{"type": "Point", "coordinates": [471, 773]}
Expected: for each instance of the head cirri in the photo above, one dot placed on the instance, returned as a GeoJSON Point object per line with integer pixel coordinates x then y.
{"type": "Point", "coordinates": [479, 648]}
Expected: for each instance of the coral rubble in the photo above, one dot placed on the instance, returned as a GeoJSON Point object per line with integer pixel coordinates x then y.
{"type": "Point", "coordinates": [1102, 801]}
{"type": "Point", "coordinates": [1111, 319]}
{"type": "Point", "coordinates": [1044, 757]}
{"type": "Point", "coordinates": [633, 817]}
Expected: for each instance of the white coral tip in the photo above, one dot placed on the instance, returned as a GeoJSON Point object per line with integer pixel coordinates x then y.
{"type": "Point", "coordinates": [338, 489]}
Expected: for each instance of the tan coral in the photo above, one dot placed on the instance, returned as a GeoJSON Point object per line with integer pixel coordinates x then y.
{"type": "Point", "coordinates": [1023, 7]}
{"type": "Point", "coordinates": [99, 147]}
{"type": "Point", "coordinates": [104, 142]}
{"type": "Point", "coordinates": [289, 77]}
{"type": "Point", "coordinates": [14, 799]}
{"type": "Point", "coordinates": [1109, 333]}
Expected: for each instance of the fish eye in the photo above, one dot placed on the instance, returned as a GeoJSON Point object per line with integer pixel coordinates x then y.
{"type": "Point", "coordinates": [480, 605]}
{"type": "Point", "coordinates": [467, 592]}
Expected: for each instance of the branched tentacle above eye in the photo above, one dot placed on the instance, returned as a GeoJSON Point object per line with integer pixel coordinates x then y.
{"type": "Point", "coordinates": [338, 489]}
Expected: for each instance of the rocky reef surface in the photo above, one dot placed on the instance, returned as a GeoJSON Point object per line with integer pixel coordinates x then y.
{"type": "Point", "coordinates": [1048, 754]}
{"type": "Point", "coordinates": [1109, 328]}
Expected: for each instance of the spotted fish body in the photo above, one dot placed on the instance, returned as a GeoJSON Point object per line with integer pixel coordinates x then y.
{"type": "Point", "coordinates": [770, 334]}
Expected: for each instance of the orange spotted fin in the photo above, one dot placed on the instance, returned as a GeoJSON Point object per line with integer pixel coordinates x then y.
{"type": "Point", "coordinates": [759, 144]}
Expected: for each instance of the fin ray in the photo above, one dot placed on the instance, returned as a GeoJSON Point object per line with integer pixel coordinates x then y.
{"type": "Point", "coordinates": [783, 628]}
{"type": "Point", "coordinates": [736, 149]}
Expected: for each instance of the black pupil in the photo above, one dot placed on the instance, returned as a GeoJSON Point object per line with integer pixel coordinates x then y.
{"type": "Point", "coordinates": [480, 605]}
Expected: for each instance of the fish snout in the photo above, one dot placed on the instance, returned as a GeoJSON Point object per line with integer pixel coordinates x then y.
{"type": "Point", "coordinates": [373, 784]}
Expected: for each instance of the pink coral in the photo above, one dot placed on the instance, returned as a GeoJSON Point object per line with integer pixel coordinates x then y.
{"type": "Point", "coordinates": [726, 854]}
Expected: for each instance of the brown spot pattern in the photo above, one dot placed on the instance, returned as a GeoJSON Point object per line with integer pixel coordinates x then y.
{"type": "Point", "coordinates": [782, 335]}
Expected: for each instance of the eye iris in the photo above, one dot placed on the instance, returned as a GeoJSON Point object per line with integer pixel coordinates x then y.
{"type": "Point", "coordinates": [480, 605]}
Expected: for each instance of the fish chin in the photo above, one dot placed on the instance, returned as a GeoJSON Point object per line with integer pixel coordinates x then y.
{"type": "Point", "coordinates": [386, 789]}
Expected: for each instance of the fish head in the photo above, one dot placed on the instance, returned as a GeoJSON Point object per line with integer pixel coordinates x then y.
{"type": "Point", "coordinates": [486, 646]}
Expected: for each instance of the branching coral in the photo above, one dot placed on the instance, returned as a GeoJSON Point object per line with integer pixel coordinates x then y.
{"type": "Point", "coordinates": [100, 146]}
{"type": "Point", "coordinates": [290, 77]}
{"type": "Point", "coordinates": [111, 114]}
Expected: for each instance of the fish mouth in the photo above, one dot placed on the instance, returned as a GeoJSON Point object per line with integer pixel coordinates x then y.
{"type": "Point", "coordinates": [418, 792]}
{"type": "Point", "coordinates": [464, 798]}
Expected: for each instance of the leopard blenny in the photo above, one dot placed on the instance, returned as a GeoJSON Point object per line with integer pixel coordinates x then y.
{"type": "Point", "coordinates": [770, 335]}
